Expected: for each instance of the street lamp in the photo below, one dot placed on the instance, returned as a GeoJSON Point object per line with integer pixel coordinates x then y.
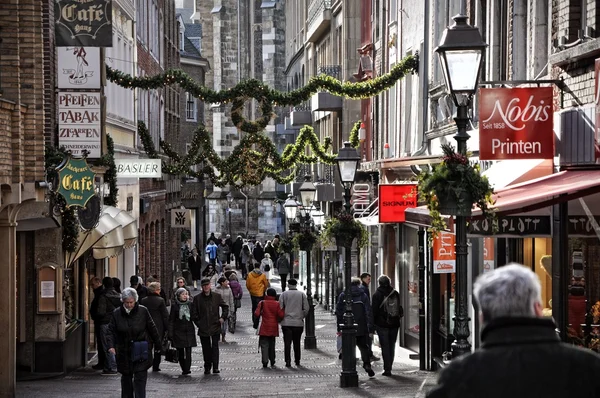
{"type": "Point", "coordinates": [229, 202]}
{"type": "Point", "coordinates": [308, 194]}
{"type": "Point", "coordinates": [461, 55]}
{"type": "Point", "coordinates": [347, 162]}
{"type": "Point", "coordinates": [291, 209]}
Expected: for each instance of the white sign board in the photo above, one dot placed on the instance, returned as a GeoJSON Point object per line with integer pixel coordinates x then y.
{"type": "Point", "coordinates": [138, 168]}
{"type": "Point", "coordinates": [78, 67]}
{"type": "Point", "coordinates": [180, 218]}
{"type": "Point", "coordinates": [79, 122]}
{"type": "Point", "coordinates": [47, 288]}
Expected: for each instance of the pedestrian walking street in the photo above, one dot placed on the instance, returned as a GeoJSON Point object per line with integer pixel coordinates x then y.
{"type": "Point", "coordinates": [242, 374]}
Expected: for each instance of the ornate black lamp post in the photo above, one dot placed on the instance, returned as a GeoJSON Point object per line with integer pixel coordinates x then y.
{"type": "Point", "coordinates": [347, 161]}
{"type": "Point", "coordinates": [229, 202]}
{"type": "Point", "coordinates": [308, 193]}
{"type": "Point", "coordinates": [461, 55]}
{"type": "Point", "coordinates": [317, 217]}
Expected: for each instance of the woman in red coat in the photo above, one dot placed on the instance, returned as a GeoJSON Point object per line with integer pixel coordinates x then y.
{"type": "Point", "coordinates": [270, 315]}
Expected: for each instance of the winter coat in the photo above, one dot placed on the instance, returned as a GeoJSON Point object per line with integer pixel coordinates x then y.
{"type": "Point", "coordinates": [182, 332]}
{"type": "Point", "coordinates": [294, 303]}
{"type": "Point", "coordinates": [142, 291]}
{"type": "Point", "coordinates": [223, 253]}
{"type": "Point", "coordinates": [271, 314]}
{"type": "Point", "coordinates": [237, 247]}
{"type": "Point", "coordinates": [283, 266]}
{"type": "Point", "coordinates": [158, 311]}
{"type": "Point", "coordinates": [365, 289]}
{"type": "Point", "coordinates": [521, 357]}
{"type": "Point", "coordinates": [258, 253]}
{"type": "Point", "coordinates": [264, 263]}
{"type": "Point", "coordinates": [195, 267]}
{"type": "Point", "coordinates": [361, 309]}
{"type": "Point", "coordinates": [205, 313]}
{"type": "Point", "coordinates": [227, 295]}
{"type": "Point", "coordinates": [99, 291]}
{"type": "Point", "coordinates": [213, 276]}
{"type": "Point", "coordinates": [211, 250]}
{"type": "Point", "coordinates": [125, 328]}
{"type": "Point", "coordinates": [228, 273]}
{"type": "Point", "coordinates": [257, 283]}
{"type": "Point", "coordinates": [107, 302]}
{"type": "Point", "coordinates": [272, 252]}
{"type": "Point", "coordinates": [379, 314]}
{"type": "Point", "coordinates": [236, 289]}
{"type": "Point", "coordinates": [246, 256]}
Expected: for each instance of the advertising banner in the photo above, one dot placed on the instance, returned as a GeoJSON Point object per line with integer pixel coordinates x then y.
{"type": "Point", "coordinates": [444, 253]}
{"type": "Point", "coordinates": [516, 123]}
{"type": "Point", "coordinates": [79, 122]}
{"type": "Point", "coordinates": [78, 68]}
{"type": "Point", "coordinates": [394, 199]}
{"type": "Point", "coordinates": [76, 182]}
{"type": "Point", "coordinates": [181, 218]}
{"type": "Point", "coordinates": [488, 255]}
{"type": "Point", "coordinates": [83, 23]}
{"type": "Point", "coordinates": [597, 102]}
{"type": "Point", "coordinates": [138, 168]}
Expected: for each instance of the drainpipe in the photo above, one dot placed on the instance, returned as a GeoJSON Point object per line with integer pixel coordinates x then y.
{"type": "Point", "coordinates": [424, 63]}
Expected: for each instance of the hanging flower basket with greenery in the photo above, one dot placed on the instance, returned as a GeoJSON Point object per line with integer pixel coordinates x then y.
{"type": "Point", "coordinates": [305, 240]}
{"type": "Point", "coordinates": [285, 246]}
{"type": "Point", "coordinates": [453, 187]}
{"type": "Point", "coordinates": [343, 228]}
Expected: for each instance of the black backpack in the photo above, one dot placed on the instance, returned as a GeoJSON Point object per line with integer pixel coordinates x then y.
{"type": "Point", "coordinates": [392, 308]}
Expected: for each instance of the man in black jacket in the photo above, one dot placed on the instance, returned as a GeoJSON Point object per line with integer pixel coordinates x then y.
{"type": "Point", "coordinates": [98, 289]}
{"type": "Point", "coordinates": [136, 284]}
{"type": "Point", "coordinates": [386, 324]}
{"type": "Point", "coordinates": [107, 302]}
{"type": "Point", "coordinates": [521, 354]}
{"type": "Point", "coordinates": [237, 251]}
{"type": "Point", "coordinates": [158, 311]}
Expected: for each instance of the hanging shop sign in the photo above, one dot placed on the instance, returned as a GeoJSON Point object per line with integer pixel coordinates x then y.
{"type": "Point", "coordinates": [444, 254]}
{"type": "Point", "coordinates": [76, 182]}
{"type": "Point", "coordinates": [597, 102]}
{"type": "Point", "coordinates": [394, 199]}
{"type": "Point", "coordinates": [516, 123]}
{"type": "Point", "coordinates": [138, 168]}
{"type": "Point", "coordinates": [79, 122]}
{"type": "Point", "coordinates": [488, 255]}
{"type": "Point", "coordinates": [78, 68]}
{"type": "Point", "coordinates": [513, 226]}
{"type": "Point", "coordinates": [181, 218]}
{"type": "Point", "coordinates": [83, 23]}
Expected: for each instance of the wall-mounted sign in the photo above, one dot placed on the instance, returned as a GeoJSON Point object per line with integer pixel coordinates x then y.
{"type": "Point", "coordinates": [362, 193]}
{"type": "Point", "coordinates": [516, 123]}
{"type": "Point", "coordinates": [512, 226]}
{"type": "Point", "coordinates": [597, 102]}
{"type": "Point", "coordinates": [78, 67]}
{"type": "Point", "coordinates": [489, 258]}
{"type": "Point", "coordinates": [76, 182]}
{"type": "Point", "coordinates": [444, 253]}
{"type": "Point", "coordinates": [394, 199]}
{"type": "Point", "coordinates": [83, 23]}
{"type": "Point", "coordinates": [138, 168]}
{"type": "Point", "coordinates": [180, 218]}
{"type": "Point", "coordinates": [79, 122]}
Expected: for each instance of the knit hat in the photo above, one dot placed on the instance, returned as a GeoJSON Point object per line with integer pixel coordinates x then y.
{"type": "Point", "coordinates": [205, 281]}
{"type": "Point", "coordinates": [271, 292]}
{"type": "Point", "coordinates": [292, 282]}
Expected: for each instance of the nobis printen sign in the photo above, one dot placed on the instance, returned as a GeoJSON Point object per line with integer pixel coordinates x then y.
{"type": "Point", "coordinates": [76, 182]}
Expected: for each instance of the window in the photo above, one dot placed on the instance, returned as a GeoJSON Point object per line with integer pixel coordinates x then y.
{"type": "Point", "coordinates": [190, 108]}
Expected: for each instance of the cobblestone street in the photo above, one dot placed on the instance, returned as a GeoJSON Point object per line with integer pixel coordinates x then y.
{"type": "Point", "coordinates": [242, 374]}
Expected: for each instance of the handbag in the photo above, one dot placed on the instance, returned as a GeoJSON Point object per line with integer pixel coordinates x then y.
{"type": "Point", "coordinates": [267, 268]}
{"type": "Point", "coordinates": [171, 354]}
{"type": "Point", "coordinates": [139, 351]}
{"type": "Point", "coordinates": [237, 302]}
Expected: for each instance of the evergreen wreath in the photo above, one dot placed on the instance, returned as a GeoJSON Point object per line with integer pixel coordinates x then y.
{"type": "Point", "coordinates": [306, 238]}
{"type": "Point", "coordinates": [343, 228]}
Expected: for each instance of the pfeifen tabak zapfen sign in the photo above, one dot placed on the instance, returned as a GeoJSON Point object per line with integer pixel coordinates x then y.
{"type": "Point", "coordinates": [76, 182]}
{"type": "Point", "coordinates": [83, 23]}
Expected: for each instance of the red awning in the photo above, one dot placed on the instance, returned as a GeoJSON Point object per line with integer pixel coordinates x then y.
{"type": "Point", "coordinates": [546, 191]}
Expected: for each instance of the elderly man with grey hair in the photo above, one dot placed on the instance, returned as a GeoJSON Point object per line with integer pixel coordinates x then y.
{"type": "Point", "coordinates": [521, 354]}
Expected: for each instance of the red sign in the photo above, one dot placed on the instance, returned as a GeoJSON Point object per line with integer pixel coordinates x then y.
{"type": "Point", "coordinates": [444, 253]}
{"type": "Point", "coordinates": [394, 199]}
{"type": "Point", "coordinates": [488, 255]}
{"type": "Point", "coordinates": [516, 123]}
{"type": "Point", "coordinates": [597, 102]}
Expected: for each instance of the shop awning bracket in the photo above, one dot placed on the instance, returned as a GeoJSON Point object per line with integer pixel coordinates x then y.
{"type": "Point", "coordinates": [560, 83]}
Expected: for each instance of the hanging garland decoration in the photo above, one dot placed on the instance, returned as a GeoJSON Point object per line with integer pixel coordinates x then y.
{"type": "Point", "coordinates": [354, 140]}
{"type": "Point", "coordinates": [110, 176]}
{"type": "Point", "coordinates": [255, 157]}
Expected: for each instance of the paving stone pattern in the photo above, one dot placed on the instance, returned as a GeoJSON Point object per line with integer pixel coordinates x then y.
{"type": "Point", "coordinates": [242, 374]}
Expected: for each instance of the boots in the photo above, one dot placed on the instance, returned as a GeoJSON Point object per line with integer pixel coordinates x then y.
{"type": "Point", "coordinates": [223, 338]}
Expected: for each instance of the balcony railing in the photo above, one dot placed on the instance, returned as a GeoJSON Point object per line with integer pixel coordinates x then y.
{"type": "Point", "coordinates": [316, 8]}
{"type": "Point", "coordinates": [330, 70]}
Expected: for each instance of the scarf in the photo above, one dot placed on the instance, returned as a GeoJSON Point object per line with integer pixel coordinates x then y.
{"type": "Point", "coordinates": [184, 310]}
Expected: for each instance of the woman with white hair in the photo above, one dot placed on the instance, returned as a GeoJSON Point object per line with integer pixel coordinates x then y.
{"type": "Point", "coordinates": [266, 265]}
{"type": "Point", "coordinates": [182, 332]}
{"type": "Point", "coordinates": [129, 330]}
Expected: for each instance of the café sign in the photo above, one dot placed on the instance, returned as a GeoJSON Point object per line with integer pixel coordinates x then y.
{"type": "Point", "coordinates": [516, 123]}
{"type": "Point", "coordinates": [76, 182]}
{"type": "Point", "coordinates": [83, 23]}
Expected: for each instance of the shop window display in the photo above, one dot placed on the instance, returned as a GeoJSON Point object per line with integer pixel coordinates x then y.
{"type": "Point", "coordinates": [411, 281]}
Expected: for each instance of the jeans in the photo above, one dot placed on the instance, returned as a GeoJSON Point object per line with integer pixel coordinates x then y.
{"type": "Point", "coordinates": [224, 327]}
{"type": "Point", "coordinates": [283, 281]}
{"type": "Point", "coordinates": [292, 334]}
{"type": "Point", "coordinates": [255, 300]}
{"type": "Point", "coordinates": [362, 342]}
{"type": "Point", "coordinates": [185, 358]}
{"type": "Point", "coordinates": [210, 351]}
{"type": "Point", "coordinates": [232, 319]}
{"type": "Point", "coordinates": [99, 346]}
{"type": "Point", "coordinates": [387, 339]}
{"type": "Point", "coordinates": [110, 362]}
{"type": "Point", "coordinates": [267, 349]}
{"type": "Point", "coordinates": [134, 385]}
{"type": "Point", "coordinates": [244, 270]}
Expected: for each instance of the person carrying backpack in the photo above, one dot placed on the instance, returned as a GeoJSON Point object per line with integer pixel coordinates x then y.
{"type": "Point", "coordinates": [387, 312]}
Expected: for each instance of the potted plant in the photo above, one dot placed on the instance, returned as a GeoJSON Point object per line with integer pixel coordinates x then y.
{"type": "Point", "coordinates": [304, 240]}
{"type": "Point", "coordinates": [453, 187]}
{"type": "Point", "coordinates": [285, 246]}
{"type": "Point", "coordinates": [344, 228]}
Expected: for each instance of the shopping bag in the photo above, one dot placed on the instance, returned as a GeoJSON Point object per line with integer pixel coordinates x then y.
{"type": "Point", "coordinates": [171, 354]}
